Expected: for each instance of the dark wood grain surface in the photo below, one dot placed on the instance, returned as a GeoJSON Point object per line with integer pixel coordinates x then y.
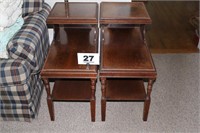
{"type": "Point", "coordinates": [124, 53]}
{"type": "Point", "coordinates": [62, 58]}
{"type": "Point", "coordinates": [124, 12]}
{"type": "Point", "coordinates": [171, 31]}
{"type": "Point", "coordinates": [73, 13]}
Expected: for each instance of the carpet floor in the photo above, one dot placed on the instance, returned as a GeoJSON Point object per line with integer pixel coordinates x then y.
{"type": "Point", "coordinates": [174, 106]}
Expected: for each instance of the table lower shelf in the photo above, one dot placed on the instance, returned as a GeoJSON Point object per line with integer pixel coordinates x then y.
{"type": "Point", "coordinates": [72, 90]}
{"type": "Point", "coordinates": [125, 90]}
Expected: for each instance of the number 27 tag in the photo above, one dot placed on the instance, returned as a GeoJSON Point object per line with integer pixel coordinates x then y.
{"type": "Point", "coordinates": [88, 58]}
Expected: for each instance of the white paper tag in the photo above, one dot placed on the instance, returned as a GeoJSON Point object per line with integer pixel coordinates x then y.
{"type": "Point", "coordinates": [88, 58]}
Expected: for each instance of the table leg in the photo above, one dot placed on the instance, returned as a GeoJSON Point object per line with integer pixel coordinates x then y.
{"type": "Point", "coordinates": [147, 100]}
{"type": "Point", "coordinates": [49, 99]}
{"type": "Point", "coordinates": [93, 99]}
{"type": "Point", "coordinates": [103, 99]}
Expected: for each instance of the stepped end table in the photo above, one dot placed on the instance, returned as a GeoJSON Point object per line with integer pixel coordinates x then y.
{"type": "Point", "coordinates": [125, 58]}
{"type": "Point", "coordinates": [75, 31]}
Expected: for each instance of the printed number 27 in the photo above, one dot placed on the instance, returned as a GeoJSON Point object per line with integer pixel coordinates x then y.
{"type": "Point", "coordinates": [88, 58]}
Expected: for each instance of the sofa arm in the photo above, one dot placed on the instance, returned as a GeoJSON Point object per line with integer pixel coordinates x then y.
{"type": "Point", "coordinates": [31, 42]}
{"type": "Point", "coordinates": [46, 10]}
{"type": "Point", "coordinates": [43, 13]}
{"type": "Point", "coordinates": [13, 72]}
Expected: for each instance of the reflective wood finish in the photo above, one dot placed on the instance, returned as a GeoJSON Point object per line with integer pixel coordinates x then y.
{"type": "Point", "coordinates": [62, 58]}
{"type": "Point", "coordinates": [123, 13]}
{"type": "Point", "coordinates": [74, 13]}
{"type": "Point", "coordinates": [124, 53]}
{"type": "Point", "coordinates": [171, 31]}
{"type": "Point", "coordinates": [126, 61]}
{"type": "Point", "coordinates": [74, 32]}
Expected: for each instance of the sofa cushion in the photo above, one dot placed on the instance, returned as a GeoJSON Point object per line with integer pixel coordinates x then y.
{"type": "Point", "coordinates": [7, 34]}
{"type": "Point", "coordinates": [10, 10]}
{"type": "Point", "coordinates": [31, 6]}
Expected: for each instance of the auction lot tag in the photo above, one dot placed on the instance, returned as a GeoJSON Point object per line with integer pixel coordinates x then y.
{"type": "Point", "coordinates": [88, 58]}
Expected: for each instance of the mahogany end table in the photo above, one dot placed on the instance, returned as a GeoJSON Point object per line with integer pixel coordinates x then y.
{"type": "Point", "coordinates": [126, 61]}
{"type": "Point", "coordinates": [75, 31]}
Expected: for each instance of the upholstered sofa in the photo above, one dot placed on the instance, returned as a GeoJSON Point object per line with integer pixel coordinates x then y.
{"type": "Point", "coordinates": [21, 86]}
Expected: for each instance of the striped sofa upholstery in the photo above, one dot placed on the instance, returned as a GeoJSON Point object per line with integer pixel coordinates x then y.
{"type": "Point", "coordinates": [20, 83]}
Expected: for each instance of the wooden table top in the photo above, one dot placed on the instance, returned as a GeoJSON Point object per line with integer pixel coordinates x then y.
{"type": "Point", "coordinates": [62, 57]}
{"type": "Point", "coordinates": [74, 13]}
{"type": "Point", "coordinates": [124, 54]}
{"type": "Point", "coordinates": [124, 13]}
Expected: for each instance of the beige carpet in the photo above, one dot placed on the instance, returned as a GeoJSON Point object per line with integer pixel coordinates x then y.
{"type": "Point", "coordinates": [174, 108]}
